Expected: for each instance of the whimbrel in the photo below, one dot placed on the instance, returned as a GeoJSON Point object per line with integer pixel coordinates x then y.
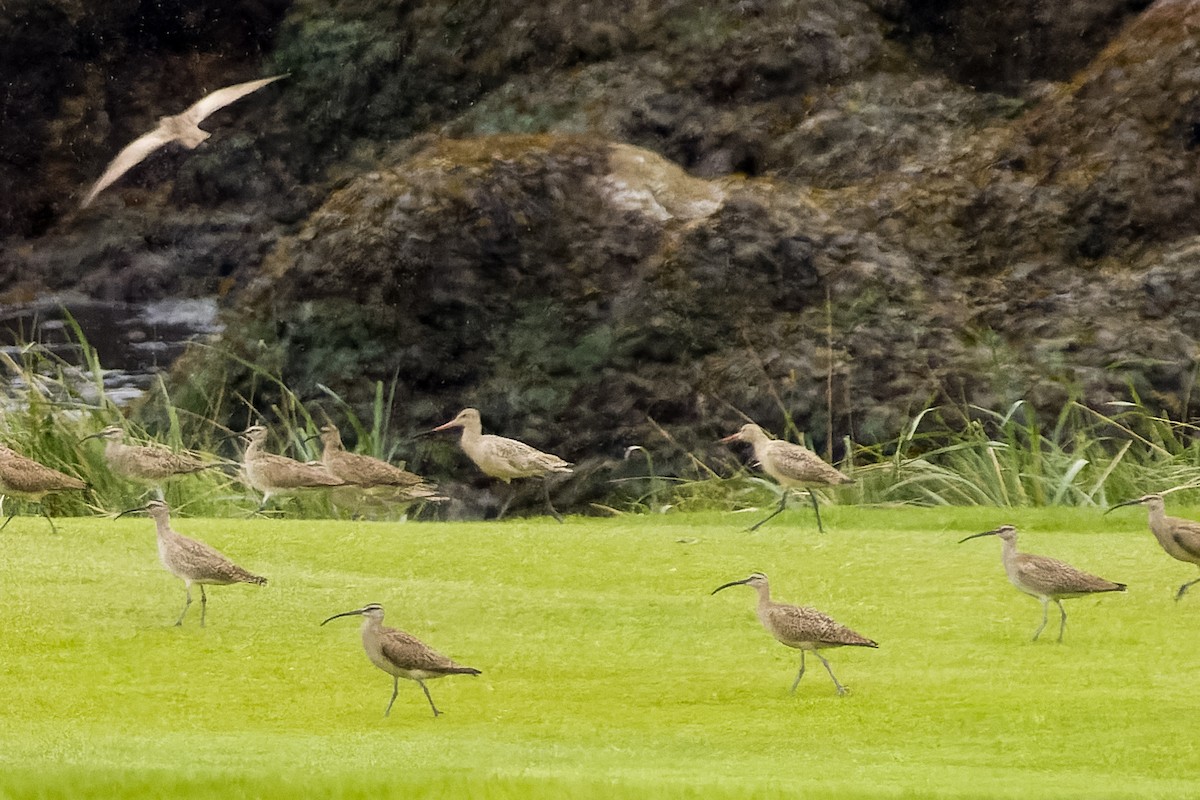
{"type": "Point", "coordinates": [372, 475]}
{"type": "Point", "coordinates": [505, 459]}
{"type": "Point", "coordinates": [274, 474]}
{"type": "Point", "coordinates": [793, 466]}
{"type": "Point", "coordinates": [27, 479]}
{"type": "Point", "coordinates": [192, 561]}
{"type": "Point", "coordinates": [800, 627]}
{"type": "Point", "coordinates": [1045, 578]}
{"type": "Point", "coordinates": [1179, 537]}
{"type": "Point", "coordinates": [183, 128]}
{"type": "Point", "coordinates": [401, 655]}
{"type": "Point", "coordinates": [151, 465]}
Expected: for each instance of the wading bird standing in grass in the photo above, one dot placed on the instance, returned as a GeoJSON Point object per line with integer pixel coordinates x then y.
{"type": "Point", "coordinates": [183, 128]}
{"type": "Point", "coordinates": [26, 479]}
{"type": "Point", "coordinates": [401, 655]}
{"type": "Point", "coordinates": [192, 561]}
{"type": "Point", "coordinates": [372, 476]}
{"type": "Point", "coordinates": [802, 628]}
{"type": "Point", "coordinates": [272, 474]}
{"type": "Point", "coordinates": [1179, 537]}
{"type": "Point", "coordinates": [793, 466]}
{"type": "Point", "coordinates": [1045, 578]}
{"type": "Point", "coordinates": [150, 465]}
{"type": "Point", "coordinates": [505, 459]}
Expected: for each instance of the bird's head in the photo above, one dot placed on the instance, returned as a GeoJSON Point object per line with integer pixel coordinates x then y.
{"type": "Point", "coordinates": [113, 433]}
{"type": "Point", "coordinates": [747, 433]}
{"type": "Point", "coordinates": [1154, 502]}
{"type": "Point", "coordinates": [467, 418]}
{"type": "Point", "coordinates": [1006, 532]}
{"type": "Point", "coordinates": [756, 579]}
{"type": "Point", "coordinates": [255, 434]}
{"type": "Point", "coordinates": [155, 508]}
{"type": "Point", "coordinates": [370, 611]}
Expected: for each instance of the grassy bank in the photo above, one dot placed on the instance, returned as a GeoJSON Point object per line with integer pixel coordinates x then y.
{"type": "Point", "coordinates": [608, 670]}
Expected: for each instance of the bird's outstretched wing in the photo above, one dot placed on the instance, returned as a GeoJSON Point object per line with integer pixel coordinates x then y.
{"type": "Point", "coordinates": [223, 97]}
{"type": "Point", "coordinates": [133, 152]}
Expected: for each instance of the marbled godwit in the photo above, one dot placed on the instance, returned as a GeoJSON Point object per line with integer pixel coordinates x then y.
{"type": "Point", "coordinates": [150, 465]}
{"type": "Point", "coordinates": [372, 475]}
{"type": "Point", "coordinates": [792, 466]}
{"type": "Point", "coordinates": [27, 479]}
{"type": "Point", "coordinates": [503, 458]}
{"type": "Point", "coordinates": [183, 128]}
{"type": "Point", "coordinates": [192, 561]}
{"type": "Point", "coordinates": [800, 627]}
{"type": "Point", "coordinates": [401, 655]}
{"type": "Point", "coordinates": [1045, 578]}
{"type": "Point", "coordinates": [1179, 537]}
{"type": "Point", "coordinates": [273, 474]}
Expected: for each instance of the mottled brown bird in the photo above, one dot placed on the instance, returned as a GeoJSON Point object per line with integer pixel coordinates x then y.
{"type": "Point", "coordinates": [401, 655]}
{"type": "Point", "coordinates": [791, 465]}
{"type": "Point", "coordinates": [183, 128]}
{"type": "Point", "coordinates": [1045, 578]}
{"type": "Point", "coordinates": [503, 458]}
{"type": "Point", "coordinates": [373, 476]}
{"type": "Point", "coordinates": [27, 479]}
{"type": "Point", "coordinates": [274, 474]}
{"type": "Point", "coordinates": [151, 464]}
{"type": "Point", "coordinates": [1179, 537]}
{"type": "Point", "coordinates": [192, 561]}
{"type": "Point", "coordinates": [805, 629]}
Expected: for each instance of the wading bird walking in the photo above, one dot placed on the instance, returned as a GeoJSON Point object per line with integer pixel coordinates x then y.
{"type": "Point", "coordinates": [1179, 537]}
{"type": "Point", "coordinates": [401, 655]}
{"type": "Point", "coordinates": [26, 479]}
{"type": "Point", "coordinates": [150, 465]}
{"type": "Point", "coordinates": [192, 561]}
{"type": "Point", "coordinates": [805, 629]}
{"type": "Point", "coordinates": [791, 465]}
{"type": "Point", "coordinates": [273, 474]}
{"type": "Point", "coordinates": [1045, 578]}
{"type": "Point", "coordinates": [505, 459]}
{"type": "Point", "coordinates": [183, 128]}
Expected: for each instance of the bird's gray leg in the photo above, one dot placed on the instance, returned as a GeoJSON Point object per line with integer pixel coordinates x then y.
{"type": "Point", "coordinates": [428, 697]}
{"type": "Point", "coordinates": [1182, 589]}
{"type": "Point", "coordinates": [203, 605]}
{"type": "Point", "coordinates": [816, 510]}
{"type": "Point", "coordinates": [799, 674]}
{"type": "Point", "coordinates": [395, 691]}
{"type": "Point", "coordinates": [550, 506]}
{"type": "Point", "coordinates": [840, 689]}
{"type": "Point", "coordinates": [1062, 626]}
{"type": "Point", "coordinates": [159, 494]}
{"type": "Point", "coordinates": [10, 516]}
{"type": "Point", "coordinates": [782, 503]}
{"type": "Point", "coordinates": [512, 492]}
{"type": "Point", "coordinates": [187, 590]}
{"type": "Point", "coordinates": [42, 508]}
{"type": "Point", "coordinates": [1045, 611]}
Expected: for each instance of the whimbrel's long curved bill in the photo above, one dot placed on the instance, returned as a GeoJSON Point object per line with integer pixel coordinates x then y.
{"type": "Point", "coordinates": [742, 582]}
{"type": "Point", "coordinates": [977, 535]}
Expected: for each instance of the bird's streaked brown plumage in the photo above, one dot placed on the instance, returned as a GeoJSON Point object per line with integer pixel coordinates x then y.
{"type": "Point", "coordinates": [791, 465]}
{"type": "Point", "coordinates": [503, 458]}
{"type": "Point", "coordinates": [402, 655]}
{"type": "Point", "coordinates": [193, 561]}
{"type": "Point", "coordinates": [273, 474]}
{"type": "Point", "coordinates": [803, 628]}
{"type": "Point", "coordinates": [149, 464]}
{"type": "Point", "coordinates": [27, 479]}
{"type": "Point", "coordinates": [367, 473]}
{"type": "Point", "coordinates": [183, 128]}
{"type": "Point", "coordinates": [1045, 578]}
{"type": "Point", "coordinates": [1179, 537]}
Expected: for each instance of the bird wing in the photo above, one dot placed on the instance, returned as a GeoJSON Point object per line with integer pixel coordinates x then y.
{"type": "Point", "coordinates": [367, 471]}
{"type": "Point", "coordinates": [156, 461]}
{"type": "Point", "coordinates": [409, 652]}
{"type": "Point", "coordinates": [793, 625]}
{"type": "Point", "coordinates": [21, 474]}
{"type": "Point", "coordinates": [1188, 540]}
{"type": "Point", "coordinates": [523, 460]}
{"type": "Point", "coordinates": [287, 472]}
{"type": "Point", "coordinates": [222, 97]}
{"type": "Point", "coordinates": [1051, 576]}
{"type": "Point", "coordinates": [132, 153]}
{"type": "Point", "coordinates": [803, 465]}
{"type": "Point", "coordinates": [205, 564]}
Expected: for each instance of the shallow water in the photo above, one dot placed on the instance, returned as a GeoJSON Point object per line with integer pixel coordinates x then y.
{"type": "Point", "coordinates": [134, 341]}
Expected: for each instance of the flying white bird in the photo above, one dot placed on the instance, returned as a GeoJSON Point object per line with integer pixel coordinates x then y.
{"type": "Point", "coordinates": [183, 128]}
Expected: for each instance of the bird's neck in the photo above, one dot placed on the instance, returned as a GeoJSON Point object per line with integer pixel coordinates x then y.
{"type": "Point", "coordinates": [1009, 551]}
{"type": "Point", "coordinates": [162, 527]}
{"type": "Point", "coordinates": [252, 450]}
{"type": "Point", "coordinates": [764, 595]}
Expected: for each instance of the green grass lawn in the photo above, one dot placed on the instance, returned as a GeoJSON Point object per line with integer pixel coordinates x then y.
{"type": "Point", "coordinates": [608, 669]}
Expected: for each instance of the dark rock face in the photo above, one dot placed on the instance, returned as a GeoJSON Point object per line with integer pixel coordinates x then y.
{"type": "Point", "coordinates": [595, 220]}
